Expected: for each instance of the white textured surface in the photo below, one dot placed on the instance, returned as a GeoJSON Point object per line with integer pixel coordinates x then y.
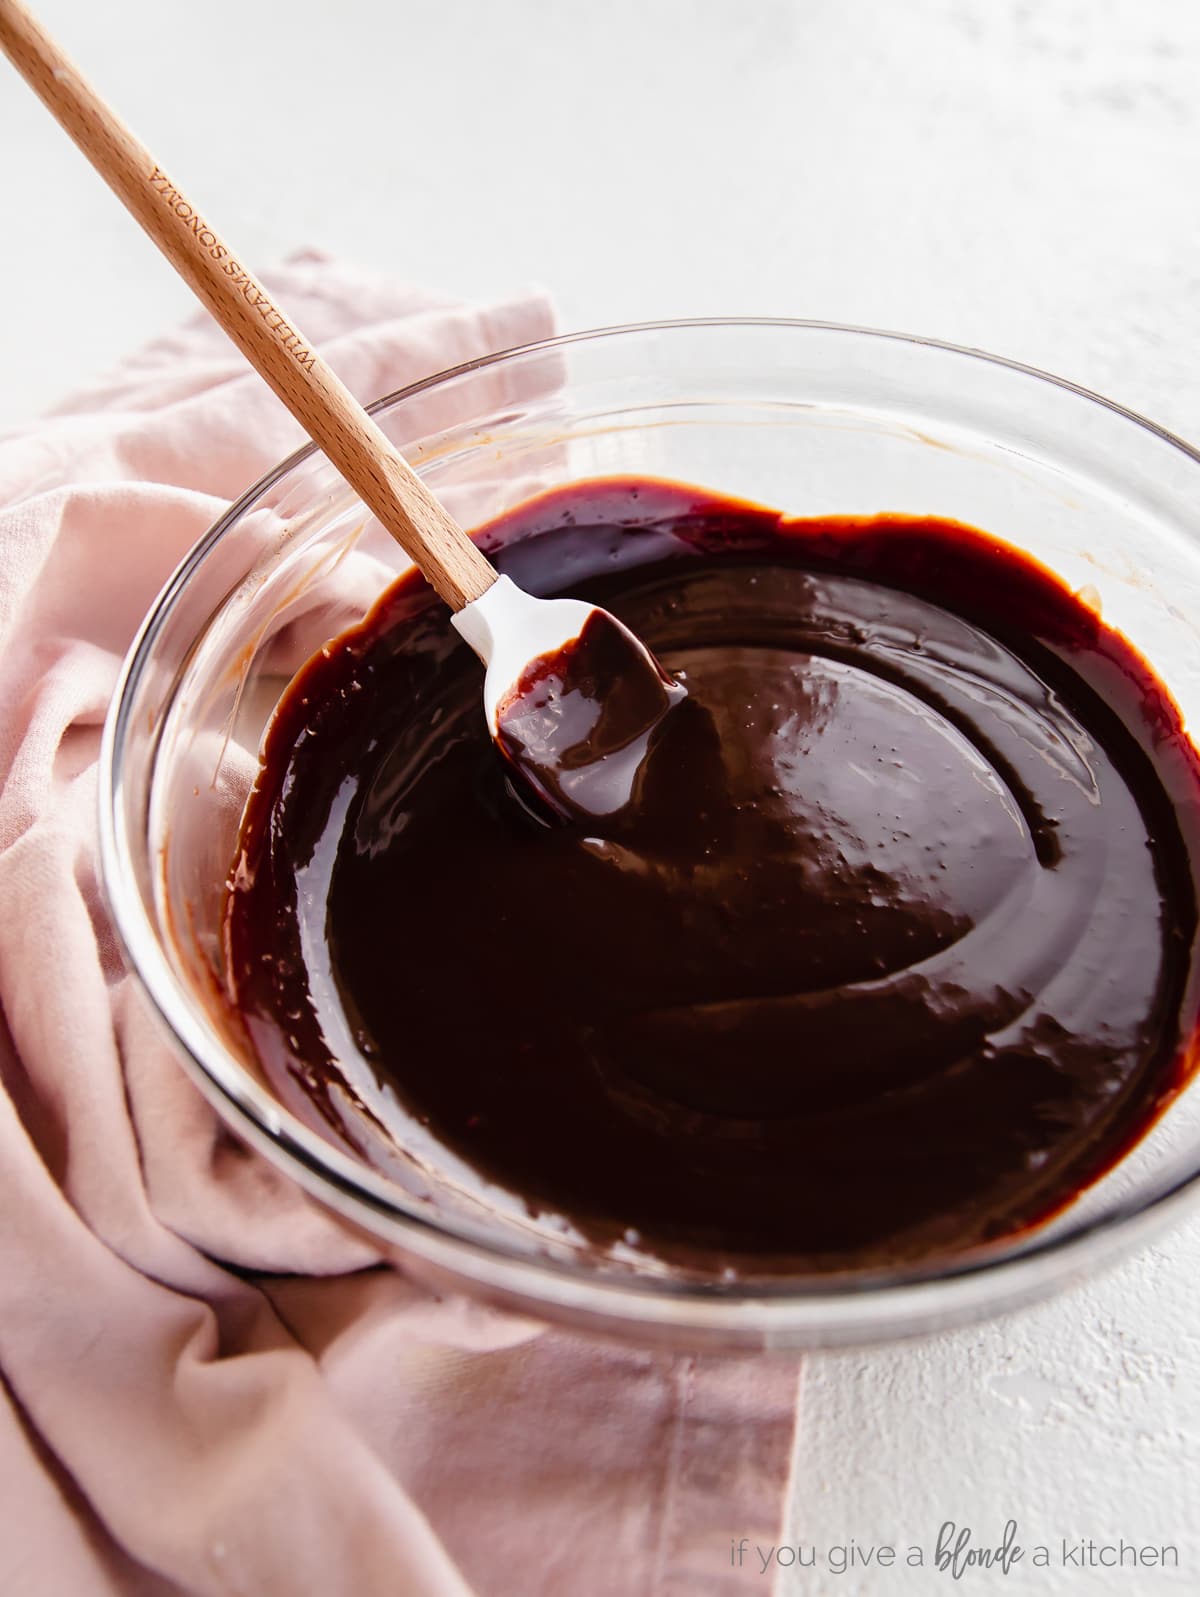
{"type": "Point", "coordinates": [1080, 1420]}
{"type": "Point", "coordinates": [1020, 176]}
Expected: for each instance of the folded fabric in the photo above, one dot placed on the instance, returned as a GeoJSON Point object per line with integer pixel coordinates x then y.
{"type": "Point", "coordinates": [210, 1385]}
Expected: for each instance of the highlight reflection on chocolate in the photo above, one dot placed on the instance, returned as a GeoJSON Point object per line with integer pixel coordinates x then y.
{"type": "Point", "coordinates": [889, 952]}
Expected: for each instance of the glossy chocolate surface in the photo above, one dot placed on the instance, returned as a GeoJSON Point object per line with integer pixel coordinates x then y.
{"type": "Point", "coordinates": [889, 953]}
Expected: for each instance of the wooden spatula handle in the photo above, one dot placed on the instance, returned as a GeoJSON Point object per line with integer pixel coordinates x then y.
{"type": "Point", "coordinates": [262, 330]}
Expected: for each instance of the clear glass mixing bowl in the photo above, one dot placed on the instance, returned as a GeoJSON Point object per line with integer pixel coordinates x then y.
{"type": "Point", "coordinates": [805, 416]}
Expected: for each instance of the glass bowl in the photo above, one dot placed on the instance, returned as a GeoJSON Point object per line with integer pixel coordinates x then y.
{"type": "Point", "coordinates": [809, 417]}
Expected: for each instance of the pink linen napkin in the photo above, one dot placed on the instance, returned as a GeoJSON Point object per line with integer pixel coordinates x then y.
{"type": "Point", "coordinates": [209, 1385]}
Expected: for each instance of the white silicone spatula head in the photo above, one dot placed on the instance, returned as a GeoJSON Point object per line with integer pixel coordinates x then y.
{"type": "Point", "coordinates": [573, 699]}
{"type": "Point", "coordinates": [508, 629]}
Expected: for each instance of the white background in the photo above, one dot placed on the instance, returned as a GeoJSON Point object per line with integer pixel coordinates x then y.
{"type": "Point", "coordinates": [1021, 177]}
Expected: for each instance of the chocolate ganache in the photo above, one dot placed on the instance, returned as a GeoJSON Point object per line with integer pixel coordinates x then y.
{"type": "Point", "coordinates": [888, 954]}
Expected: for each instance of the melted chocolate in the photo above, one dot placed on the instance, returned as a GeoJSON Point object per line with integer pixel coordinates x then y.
{"type": "Point", "coordinates": [889, 954]}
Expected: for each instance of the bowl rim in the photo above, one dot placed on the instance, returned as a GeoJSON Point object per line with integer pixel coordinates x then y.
{"type": "Point", "coordinates": [1027, 1262]}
